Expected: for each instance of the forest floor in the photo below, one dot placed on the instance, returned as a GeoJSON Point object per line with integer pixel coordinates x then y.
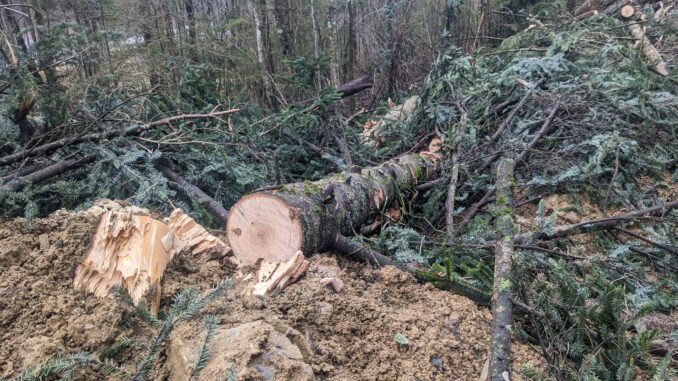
{"type": "Point", "coordinates": [306, 332]}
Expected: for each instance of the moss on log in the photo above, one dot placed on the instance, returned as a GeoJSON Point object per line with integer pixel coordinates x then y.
{"type": "Point", "coordinates": [307, 216]}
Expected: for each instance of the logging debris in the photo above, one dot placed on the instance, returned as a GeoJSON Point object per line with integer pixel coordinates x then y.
{"type": "Point", "coordinates": [341, 336]}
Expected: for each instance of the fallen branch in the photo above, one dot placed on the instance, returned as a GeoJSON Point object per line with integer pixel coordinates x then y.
{"type": "Point", "coordinates": [653, 56]}
{"type": "Point", "coordinates": [507, 122]}
{"type": "Point", "coordinates": [337, 162]}
{"type": "Point", "coordinates": [488, 197]}
{"type": "Point", "coordinates": [195, 193]}
{"type": "Point", "coordinates": [347, 247]}
{"type": "Point", "coordinates": [515, 110]}
{"type": "Point", "coordinates": [49, 147]}
{"type": "Point", "coordinates": [45, 173]}
{"type": "Point", "coordinates": [346, 89]}
{"type": "Point", "coordinates": [600, 224]}
{"type": "Point", "coordinates": [350, 248]}
{"type": "Point", "coordinates": [658, 245]}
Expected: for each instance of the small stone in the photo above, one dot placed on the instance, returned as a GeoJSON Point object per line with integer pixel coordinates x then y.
{"type": "Point", "coordinates": [334, 284]}
{"type": "Point", "coordinates": [44, 241]}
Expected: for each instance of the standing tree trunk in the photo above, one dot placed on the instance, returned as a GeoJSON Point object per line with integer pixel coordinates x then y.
{"type": "Point", "coordinates": [154, 78]}
{"type": "Point", "coordinates": [392, 46]}
{"type": "Point", "coordinates": [308, 216]}
{"type": "Point", "coordinates": [334, 48]}
{"type": "Point", "coordinates": [282, 21]}
{"type": "Point", "coordinates": [316, 44]}
{"type": "Point", "coordinates": [188, 6]}
{"type": "Point", "coordinates": [261, 56]}
{"type": "Point", "coordinates": [502, 311]}
{"type": "Point", "coordinates": [351, 44]}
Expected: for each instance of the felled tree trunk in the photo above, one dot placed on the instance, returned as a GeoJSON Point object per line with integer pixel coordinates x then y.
{"type": "Point", "coordinates": [307, 216]}
{"type": "Point", "coordinates": [651, 53]}
{"type": "Point", "coordinates": [196, 193]}
{"type": "Point", "coordinates": [347, 89]}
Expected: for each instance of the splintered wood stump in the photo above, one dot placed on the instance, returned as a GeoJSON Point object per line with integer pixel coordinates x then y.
{"type": "Point", "coordinates": [127, 250]}
{"type": "Point", "coordinates": [308, 216]}
{"type": "Point", "coordinates": [192, 236]}
{"type": "Point", "coordinates": [133, 250]}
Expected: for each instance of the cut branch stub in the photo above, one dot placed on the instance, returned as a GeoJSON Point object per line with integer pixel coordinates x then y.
{"type": "Point", "coordinates": [307, 216]}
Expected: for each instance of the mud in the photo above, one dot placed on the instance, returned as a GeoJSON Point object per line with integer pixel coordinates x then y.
{"type": "Point", "coordinates": [307, 332]}
{"type": "Point", "coordinates": [40, 315]}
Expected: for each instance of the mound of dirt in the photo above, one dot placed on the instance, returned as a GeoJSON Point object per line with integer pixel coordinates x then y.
{"type": "Point", "coordinates": [40, 314]}
{"type": "Point", "coordinates": [309, 331]}
{"type": "Point", "coordinates": [351, 334]}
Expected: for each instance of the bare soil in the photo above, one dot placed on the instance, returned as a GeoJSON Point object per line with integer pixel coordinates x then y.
{"type": "Point", "coordinates": [306, 332]}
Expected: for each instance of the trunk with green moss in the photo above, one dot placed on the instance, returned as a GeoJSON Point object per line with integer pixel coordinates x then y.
{"type": "Point", "coordinates": [308, 216]}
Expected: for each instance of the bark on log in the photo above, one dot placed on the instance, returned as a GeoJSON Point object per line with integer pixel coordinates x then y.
{"type": "Point", "coordinates": [274, 225]}
{"type": "Point", "coordinates": [196, 193]}
{"type": "Point", "coordinates": [347, 89]}
{"type": "Point", "coordinates": [502, 317]}
{"type": "Point", "coordinates": [45, 173]}
{"type": "Point", "coordinates": [644, 43]}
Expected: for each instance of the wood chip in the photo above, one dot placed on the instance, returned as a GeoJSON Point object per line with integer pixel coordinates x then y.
{"type": "Point", "coordinates": [275, 276]}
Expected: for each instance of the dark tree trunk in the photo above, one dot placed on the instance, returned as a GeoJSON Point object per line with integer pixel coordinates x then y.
{"type": "Point", "coordinates": [282, 21]}
{"type": "Point", "coordinates": [195, 193]}
{"type": "Point", "coordinates": [188, 5]}
{"type": "Point", "coordinates": [351, 43]}
{"type": "Point", "coordinates": [45, 173]}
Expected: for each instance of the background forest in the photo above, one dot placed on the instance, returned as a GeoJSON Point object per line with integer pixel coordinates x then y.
{"type": "Point", "coordinates": [195, 103]}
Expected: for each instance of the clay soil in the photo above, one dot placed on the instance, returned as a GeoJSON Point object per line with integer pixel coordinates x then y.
{"type": "Point", "coordinates": [307, 332]}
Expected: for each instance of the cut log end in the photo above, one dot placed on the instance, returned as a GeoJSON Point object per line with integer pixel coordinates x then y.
{"type": "Point", "coordinates": [262, 226]}
{"type": "Point", "coordinates": [627, 11]}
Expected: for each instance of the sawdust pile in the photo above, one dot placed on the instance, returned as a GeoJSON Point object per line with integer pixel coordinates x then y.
{"type": "Point", "coordinates": [307, 332]}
